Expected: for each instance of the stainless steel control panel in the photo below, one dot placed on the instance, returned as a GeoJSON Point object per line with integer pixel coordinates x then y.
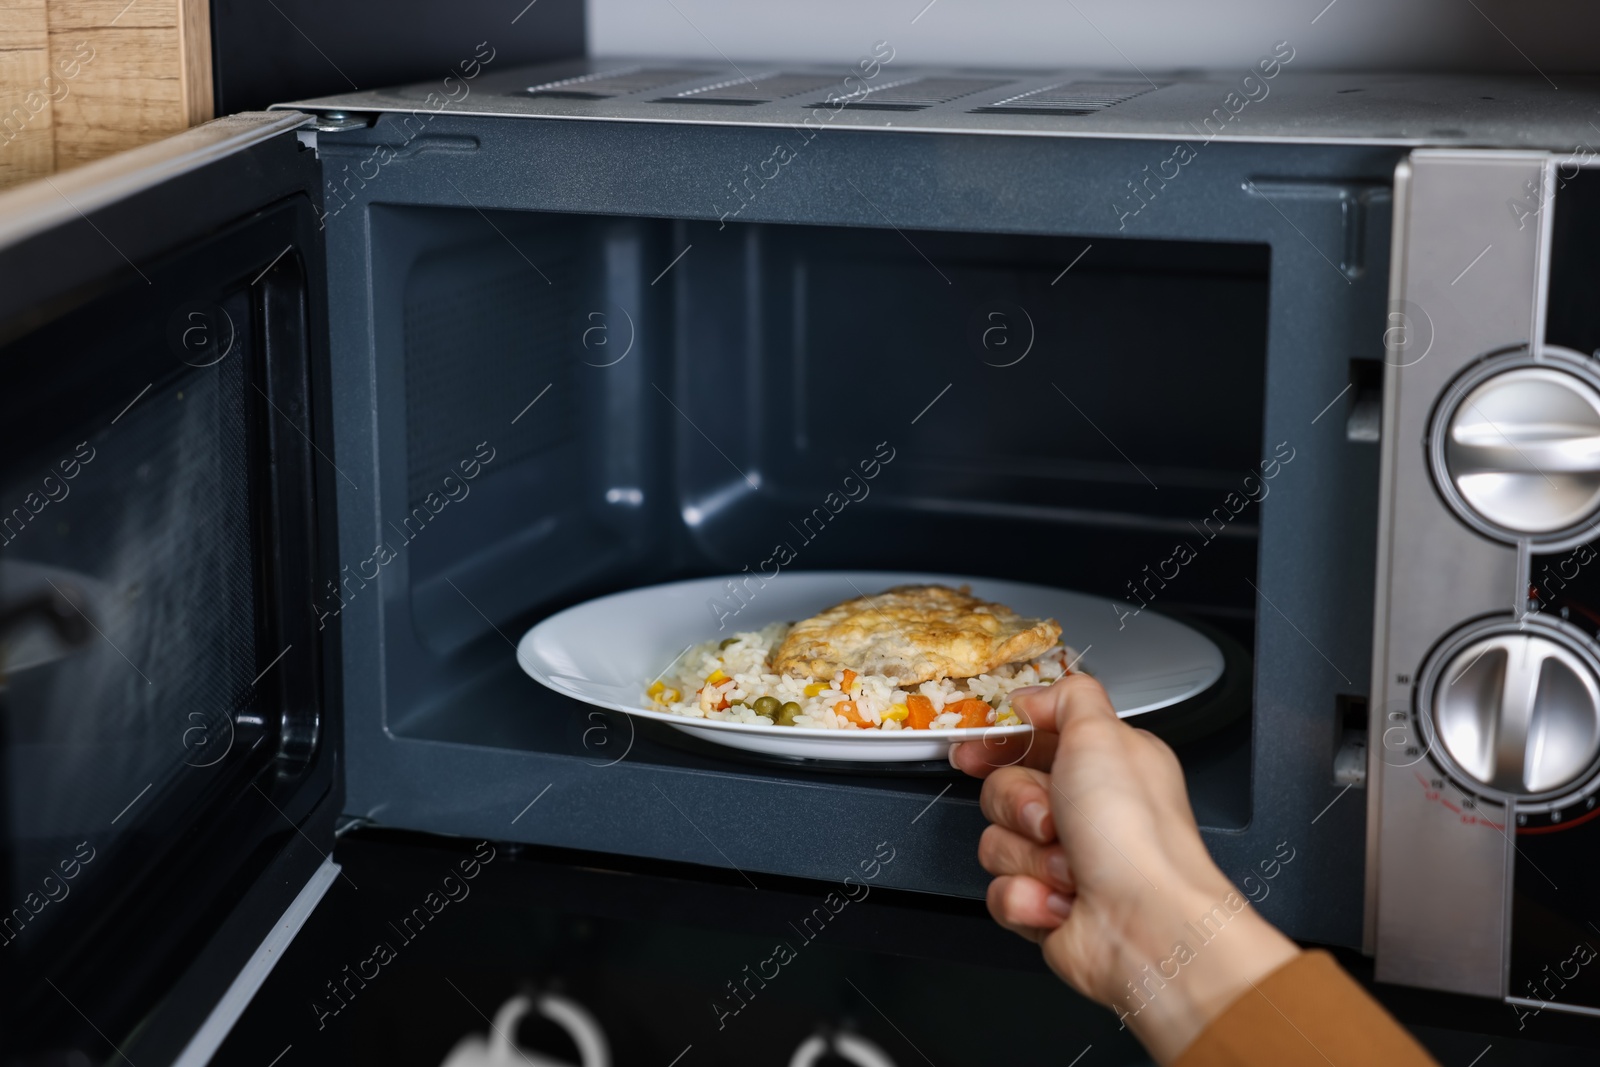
{"type": "Point", "coordinates": [1491, 451]}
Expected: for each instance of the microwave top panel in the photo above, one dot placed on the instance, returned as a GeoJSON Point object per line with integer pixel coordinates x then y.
{"type": "Point", "coordinates": [1267, 102]}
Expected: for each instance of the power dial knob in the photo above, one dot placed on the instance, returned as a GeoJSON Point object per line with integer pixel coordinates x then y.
{"type": "Point", "coordinates": [1515, 447]}
{"type": "Point", "coordinates": [1513, 710]}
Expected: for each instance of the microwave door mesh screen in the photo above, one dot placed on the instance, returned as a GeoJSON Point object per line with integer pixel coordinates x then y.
{"type": "Point", "coordinates": [150, 543]}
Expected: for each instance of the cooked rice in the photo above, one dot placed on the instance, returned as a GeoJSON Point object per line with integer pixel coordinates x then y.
{"type": "Point", "coordinates": [685, 690]}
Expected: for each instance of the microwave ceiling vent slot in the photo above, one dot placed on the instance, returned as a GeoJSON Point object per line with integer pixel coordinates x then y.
{"type": "Point", "coordinates": [1069, 98]}
{"type": "Point", "coordinates": [603, 85]}
{"type": "Point", "coordinates": [759, 89]}
{"type": "Point", "coordinates": [915, 94]}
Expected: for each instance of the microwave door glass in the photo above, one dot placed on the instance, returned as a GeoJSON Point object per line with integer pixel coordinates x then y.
{"type": "Point", "coordinates": [159, 703]}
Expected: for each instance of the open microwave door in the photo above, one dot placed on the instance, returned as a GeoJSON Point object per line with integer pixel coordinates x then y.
{"type": "Point", "coordinates": [169, 730]}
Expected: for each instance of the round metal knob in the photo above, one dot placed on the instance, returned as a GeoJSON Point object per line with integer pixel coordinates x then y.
{"type": "Point", "coordinates": [1518, 712]}
{"type": "Point", "coordinates": [1520, 447]}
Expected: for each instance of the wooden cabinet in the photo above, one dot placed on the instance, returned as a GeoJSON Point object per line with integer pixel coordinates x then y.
{"type": "Point", "coordinates": [81, 79]}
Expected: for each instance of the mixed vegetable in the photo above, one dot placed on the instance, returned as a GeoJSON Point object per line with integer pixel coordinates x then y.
{"type": "Point", "coordinates": [917, 713]}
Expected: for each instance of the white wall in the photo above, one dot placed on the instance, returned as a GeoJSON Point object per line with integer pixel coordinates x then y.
{"type": "Point", "coordinates": [1556, 35]}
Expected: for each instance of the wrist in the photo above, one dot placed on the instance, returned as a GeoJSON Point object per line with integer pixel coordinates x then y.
{"type": "Point", "coordinates": [1196, 955]}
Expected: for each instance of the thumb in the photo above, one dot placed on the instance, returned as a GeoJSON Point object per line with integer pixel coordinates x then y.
{"type": "Point", "coordinates": [1075, 698]}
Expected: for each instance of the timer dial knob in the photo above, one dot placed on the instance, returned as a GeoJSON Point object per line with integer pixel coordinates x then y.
{"type": "Point", "coordinates": [1517, 711]}
{"type": "Point", "coordinates": [1516, 447]}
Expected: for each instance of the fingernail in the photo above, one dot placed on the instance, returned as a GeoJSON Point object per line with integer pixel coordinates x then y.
{"type": "Point", "coordinates": [1033, 816]}
{"type": "Point", "coordinates": [1055, 865]}
{"type": "Point", "coordinates": [952, 755]}
{"type": "Point", "coordinates": [1058, 904]}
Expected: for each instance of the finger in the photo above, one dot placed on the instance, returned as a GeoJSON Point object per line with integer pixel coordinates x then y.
{"type": "Point", "coordinates": [1075, 699]}
{"type": "Point", "coordinates": [1002, 852]}
{"type": "Point", "coordinates": [1026, 906]}
{"type": "Point", "coordinates": [1041, 748]}
{"type": "Point", "coordinates": [1019, 799]}
{"type": "Point", "coordinates": [1036, 749]}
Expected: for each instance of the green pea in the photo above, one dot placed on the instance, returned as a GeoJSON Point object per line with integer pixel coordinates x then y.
{"type": "Point", "coordinates": [726, 641]}
{"type": "Point", "coordinates": [767, 706]}
{"type": "Point", "coordinates": [787, 713]}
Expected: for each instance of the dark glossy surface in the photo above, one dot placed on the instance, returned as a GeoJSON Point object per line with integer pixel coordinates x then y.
{"type": "Point", "coordinates": [650, 950]}
{"type": "Point", "coordinates": [263, 53]}
{"type": "Point", "coordinates": [159, 780]}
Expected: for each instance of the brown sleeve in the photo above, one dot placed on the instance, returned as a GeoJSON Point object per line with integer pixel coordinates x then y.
{"type": "Point", "coordinates": [1306, 1012]}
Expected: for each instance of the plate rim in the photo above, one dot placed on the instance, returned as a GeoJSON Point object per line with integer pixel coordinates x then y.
{"type": "Point", "coordinates": [527, 662]}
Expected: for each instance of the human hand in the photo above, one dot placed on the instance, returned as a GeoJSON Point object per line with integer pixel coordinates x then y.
{"type": "Point", "coordinates": [1101, 862]}
{"type": "Point", "coordinates": [1035, 749]}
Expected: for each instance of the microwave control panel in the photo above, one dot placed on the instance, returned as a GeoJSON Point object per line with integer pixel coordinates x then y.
{"type": "Point", "coordinates": [1486, 707]}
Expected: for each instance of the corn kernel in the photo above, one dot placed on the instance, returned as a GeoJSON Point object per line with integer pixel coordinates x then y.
{"type": "Point", "coordinates": [656, 689]}
{"type": "Point", "coordinates": [671, 696]}
{"type": "Point", "coordinates": [896, 712]}
{"type": "Point", "coordinates": [814, 688]}
{"type": "Point", "coordinates": [716, 677]}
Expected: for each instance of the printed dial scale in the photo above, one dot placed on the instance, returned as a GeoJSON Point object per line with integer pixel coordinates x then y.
{"type": "Point", "coordinates": [1510, 711]}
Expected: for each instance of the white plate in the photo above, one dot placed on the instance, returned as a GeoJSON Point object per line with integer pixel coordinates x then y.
{"type": "Point", "coordinates": [607, 651]}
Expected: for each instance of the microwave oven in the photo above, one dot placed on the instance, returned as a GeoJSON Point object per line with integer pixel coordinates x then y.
{"type": "Point", "coordinates": [309, 412]}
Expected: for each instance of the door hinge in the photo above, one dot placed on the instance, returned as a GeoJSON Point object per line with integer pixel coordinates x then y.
{"type": "Point", "coordinates": [320, 122]}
